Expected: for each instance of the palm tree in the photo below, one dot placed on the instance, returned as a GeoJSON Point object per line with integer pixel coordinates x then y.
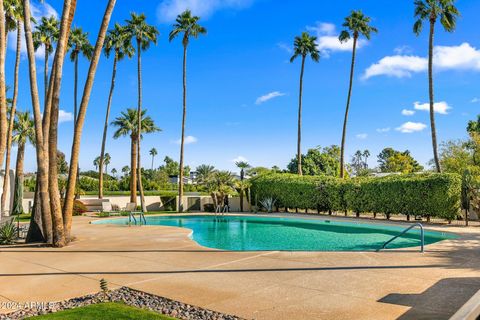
{"type": "Point", "coordinates": [114, 172]}
{"type": "Point", "coordinates": [79, 44]}
{"type": "Point", "coordinates": [447, 13]}
{"type": "Point", "coordinates": [204, 173]}
{"type": "Point", "coordinates": [24, 131]}
{"type": "Point", "coordinates": [242, 165]}
{"type": "Point", "coordinates": [96, 163]}
{"type": "Point", "coordinates": [188, 25]}
{"type": "Point", "coordinates": [126, 170]}
{"type": "Point", "coordinates": [14, 16]}
{"type": "Point", "coordinates": [71, 184]}
{"type": "Point", "coordinates": [304, 45]}
{"type": "Point", "coordinates": [3, 87]}
{"type": "Point", "coordinates": [144, 34]}
{"type": "Point", "coordinates": [366, 155]}
{"type": "Point", "coordinates": [127, 125]}
{"type": "Point", "coordinates": [153, 152]}
{"type": "Point", "coordinates": [356, 24]}
{"type": "Point", "coordinates": [47, 32]}
{"type": "Point", "coordinates": [118, 41]}
{"type": "Point", "coordinates": [106, 161]}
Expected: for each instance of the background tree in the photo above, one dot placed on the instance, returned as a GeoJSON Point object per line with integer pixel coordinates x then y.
{"type": "Point", "coordinates": [187, 25]}
{"type": "Point", "coordinates": [433, 10]}
{"type": "Point", "coordinates": [24, 132]}
{"type": "Point", "coordinates": [143, 34]}
{"type": "Point", "coordinates": [242, 165]}
{"type": "Point", "coordinates": [117, 41]}
{"type": "Point", "coordinates": [127, 125]}
{"type": "Point", "coordinates": [13, 17]}
{"type": "Point", "coordinates": [114, 172]}
{"type": "Point", "coordinates": [303, 46]}
{"type": "Point", "coordinates": [126, 170]}
{"type": "Point", "coordinates": [355, 24]}
{"type": "Point", "coordinates": [394, 161]}
{"type": "Point", "coordinates": [204, 173]}
{"type": "Point", "coordinates": [319, 161]}
{"type": "Point", "coordinates": [153, 152]}
{"type": "Point", "coordinates": [46, 34]}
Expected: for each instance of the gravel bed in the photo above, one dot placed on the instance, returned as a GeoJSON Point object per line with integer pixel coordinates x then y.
{"type": "Point", "coordinates": [130, 297]}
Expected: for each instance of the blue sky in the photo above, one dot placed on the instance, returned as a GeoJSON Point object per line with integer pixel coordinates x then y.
{"type": "Point", "coordinates": [242, 99]}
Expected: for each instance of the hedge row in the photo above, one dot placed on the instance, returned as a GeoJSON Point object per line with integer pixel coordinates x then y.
{"type": "Point", "coordinates": [434, 195]}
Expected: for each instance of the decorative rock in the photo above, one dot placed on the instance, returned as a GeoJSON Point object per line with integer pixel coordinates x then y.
{"type": "Point", "coordinates": [132, 298]}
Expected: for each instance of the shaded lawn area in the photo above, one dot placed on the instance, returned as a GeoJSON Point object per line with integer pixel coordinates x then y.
{"type": "Point", "coordinates": [104, 311]}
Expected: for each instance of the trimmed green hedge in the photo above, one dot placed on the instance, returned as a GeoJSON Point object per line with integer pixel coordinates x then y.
{"type": "Point", "coordinates": [435, 195]}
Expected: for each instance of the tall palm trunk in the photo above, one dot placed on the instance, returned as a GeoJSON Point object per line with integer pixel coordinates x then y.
{"type": "Point", "coordinates": [139, 138]}
{"type": "Point", "coordinates": [71, 183]}
{"type": "Point", "coordinates": [75, 114]}
{"type": "Point", "coordinates": [133, 169]}
{"type": "Point", "coordinates": [12, 119]}
{"type": "Point", "coordinates": [105, 128]}
{"type": "Point", "coordinates": [17, 207]}
{"type": "Point", "coordinates": [299, 137]}
{"type": "Point", "coordinates": [59, 236]}
{"type": "Point", "coordinates": [45, 74]}
{"type": "Point", "coordinates": [431, 95]}
{"type": "Point", "coordinates": [242, 176]}
{"type": "Point", "coordinates": [3, 98]}
{"type": "Point", "coordinates": [153, 157]}
{"type": "Point", "coordinates": [344, 132]}
{"type": "Point", "coordinates": [182, 139]}
{"type": "Point", "coordinates": [42, 160]}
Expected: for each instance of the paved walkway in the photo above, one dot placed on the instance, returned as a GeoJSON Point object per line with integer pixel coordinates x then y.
{"type": "Point", "coordinates": [260, 285]}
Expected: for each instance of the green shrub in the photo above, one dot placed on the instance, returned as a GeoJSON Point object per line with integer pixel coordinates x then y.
{"type": "Point", "coordinates": [79, 208]}
{"type": "Point", "coordinates": [8, 233]}
{"type": "Point", "coordinates": [435, 195]}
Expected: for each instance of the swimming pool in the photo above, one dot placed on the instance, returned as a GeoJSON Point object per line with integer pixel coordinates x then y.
{"type": "Point", "coordinates": [258, 233]}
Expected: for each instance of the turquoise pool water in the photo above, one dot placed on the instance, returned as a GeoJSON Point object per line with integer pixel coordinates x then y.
{"type": "Point", "coordinates": [252, 233]}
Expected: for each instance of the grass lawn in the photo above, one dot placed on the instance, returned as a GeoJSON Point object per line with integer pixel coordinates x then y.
{"type": "Point", "coordinates": [104, 311]}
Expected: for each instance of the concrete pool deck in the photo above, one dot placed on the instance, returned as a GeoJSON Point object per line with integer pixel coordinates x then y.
{"type": "Point", "coordinates": [164, 261]}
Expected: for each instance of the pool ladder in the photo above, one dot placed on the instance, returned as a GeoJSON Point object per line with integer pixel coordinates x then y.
{"type": "Point", "coordinates": [141, 217]}
{"type": "Point", "coordinates": [422, 236]}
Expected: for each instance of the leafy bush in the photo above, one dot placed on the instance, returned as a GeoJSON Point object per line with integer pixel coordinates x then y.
{"type": "Point", "coordinates": [8, 233]}
{"type": "Point", "coordinates": [79, 208]}
{"type": "Point", "coordinates": [435, 195]}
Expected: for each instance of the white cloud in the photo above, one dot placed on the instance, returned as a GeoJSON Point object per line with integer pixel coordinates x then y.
{"type": "Point", "coordinates": [475, 100]}
{"type": "Point", "coordinates": [362, 136]}
{"type": "Point", "coordinates": [407, 112]}
{"type": "Point", "coordinates": [396, 66]}
{"type": "Point", "coordinates": [64, 116]}
{"type": "Point", "coordinates": [285, 47]}
{"type": "Point", "coordinates": [439, 107]}
{"type": "Point", "coordinates": [383, 130]}
{"type": "Point", "coordinates": [409, 127]}
{"type": "Point", "coordinates": [38, 11]}
{"type": "Point", "coordinates": [269, 96]}
{"type": "Point", "coordinates": [240, 159]}
{"type": "Point", "coordinates": [328, 42]}
{"type": "Point", "coordinates": [403, 50]}
{"type": "Point", "coordinates": [168, 10]}
{"type": "Point", "coordinates": [462, 57]}
{"type": "Point", "coordinates": [187, 140]}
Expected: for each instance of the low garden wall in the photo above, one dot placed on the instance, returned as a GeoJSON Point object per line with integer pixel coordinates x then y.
{"type": "Point", "coordinates": [428, 195]}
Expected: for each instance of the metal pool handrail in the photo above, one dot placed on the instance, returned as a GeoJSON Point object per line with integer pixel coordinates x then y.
{"type": "Point", "coordinates": [422, 236]}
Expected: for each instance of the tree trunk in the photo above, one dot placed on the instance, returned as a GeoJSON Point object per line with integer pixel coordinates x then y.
{"type": "Point", "coordinates": [182, 139]}
{"type": "Point", "coordinates": [139, 136]}
{"type": "Point", "coordinates": [242, 176]}
{"type": "Point", "coordinates": [17, 207]}
{"type": "Point", "coordinates": [431, 96]}
{"type": "Point", "coordinates": [3, 98]}
{"type": "Point", "coordinates": [105, 127]}
{"type": "Point", "coordinates": [35, 230]}
{"type": "Point", "coordinates": [42, 159]}
{"type": "Point", "coordinates": [71, 183]}
{"type": "Point", "coordinates": [59, 236]}
{"type": "Point", "coordinates": [299, 136]}
{"type": "Point", "coordinates": [344, 131]}
{"type": "Point", "coordinates": [75, 114]}
{"type": "Point", "coordinates": [133, 169]}
{"type": "Point", "coordinates": [153, 157]}
{"type": "Point", "coordinates": [12, 120]}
